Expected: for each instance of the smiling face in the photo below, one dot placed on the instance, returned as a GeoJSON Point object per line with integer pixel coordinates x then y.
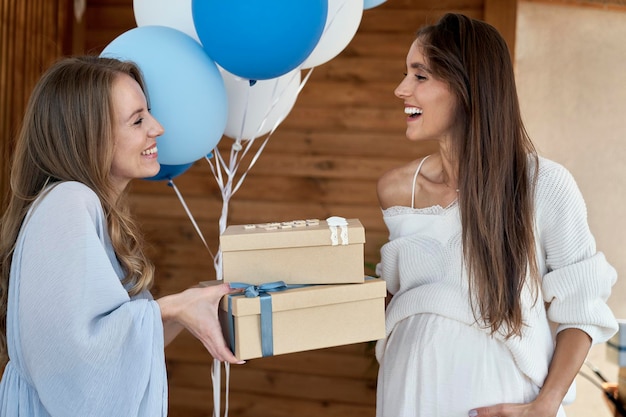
{"type": "Point", "coordinates": [428, 101]}
{"type": "Point", "coordinates": [134, 134]}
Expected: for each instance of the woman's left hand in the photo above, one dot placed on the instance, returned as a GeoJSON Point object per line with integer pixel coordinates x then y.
{"type": "Point", "coordinates": [196, 309]}
{"type": "Point", "coordinates": [532, 409]}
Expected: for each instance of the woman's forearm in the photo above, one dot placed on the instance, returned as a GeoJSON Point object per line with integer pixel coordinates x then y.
{"type": "Point", "coordinates": [570, 352]}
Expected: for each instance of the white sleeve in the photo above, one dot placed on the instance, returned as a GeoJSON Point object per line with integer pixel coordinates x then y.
{"type": "Point", "coordinates": [578, 279]}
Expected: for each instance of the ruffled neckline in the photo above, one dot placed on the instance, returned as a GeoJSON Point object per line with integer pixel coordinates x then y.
{"type": "Point", "coordinates": [432, 210]}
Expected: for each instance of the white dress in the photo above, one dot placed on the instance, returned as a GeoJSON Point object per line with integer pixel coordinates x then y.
{"type": "Point", "coordinates": [441, 367]}
{"type": "Point", "coordinates": [436, 361]}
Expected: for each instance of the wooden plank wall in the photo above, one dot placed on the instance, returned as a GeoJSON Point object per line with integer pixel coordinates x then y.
{"type": "Point", "coordinates": [33, 34]}
{"type": "Point", "coordinates": [345, 130]}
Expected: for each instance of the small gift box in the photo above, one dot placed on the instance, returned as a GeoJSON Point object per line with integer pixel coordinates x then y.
{"type": "Point", "coordinates": [275, 318]}
{"type": "Point", "coordinates": [297, 252]}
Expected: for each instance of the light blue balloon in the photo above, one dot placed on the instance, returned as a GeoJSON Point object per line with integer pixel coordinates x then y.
{"type": "Point", "coordinates": [259, 40]}
{"type": "Point", "coordinates": [185, 89]}
{"type": "Point", "coordinates": [370, 4]}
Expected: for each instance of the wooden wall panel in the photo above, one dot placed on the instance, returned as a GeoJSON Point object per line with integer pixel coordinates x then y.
{"type": "Point", "coordinates": [32, 35]}
{"type": "Point", "coordinates": [346, 129]}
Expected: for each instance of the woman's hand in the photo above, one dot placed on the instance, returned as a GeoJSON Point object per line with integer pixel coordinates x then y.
{"type": "Point", "coordinates": [533, 409]}
{"type": "Point", "coordinates": [196, 309]}
{"type": "Point", "coordinates": [572, 347]}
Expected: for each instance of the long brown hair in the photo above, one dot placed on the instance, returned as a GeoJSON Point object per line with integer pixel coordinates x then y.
{"type": "Point", "coordinates": [494, 155]}
{"type": "Point", "coordinates": [67, 135]}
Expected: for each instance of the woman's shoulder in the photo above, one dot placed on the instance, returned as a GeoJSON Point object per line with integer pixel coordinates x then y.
{"type": "Point", "coordinates": [556, 186]}
{"type": "Point", "coordinates": [393, 175]}
{"type": "Point", "coordinates": [71, 189]}
{"type": "Point", "coordinates": [62, 207]}
{"type": "Point", "coordinates": [551, 173]}
{"type": "Point", "coordinates": [69, 197]}
{"type": "Point", "coordinates": [546, 165]}
{"type": "Point", "coordinates": [394, 186]}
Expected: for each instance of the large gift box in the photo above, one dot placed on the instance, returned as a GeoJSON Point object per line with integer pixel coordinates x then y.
{"type": "Point", "coordinates": [270, 320]}
{"type": "Point", "coordinates": [297, 252]}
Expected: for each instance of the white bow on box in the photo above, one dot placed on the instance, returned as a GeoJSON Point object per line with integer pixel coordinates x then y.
{"type": "Point", "coordinates": [334, 224]}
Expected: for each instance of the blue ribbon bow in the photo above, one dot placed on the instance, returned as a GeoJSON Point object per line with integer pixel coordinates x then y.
{"type": "Point", "coordinates": [262, 291]}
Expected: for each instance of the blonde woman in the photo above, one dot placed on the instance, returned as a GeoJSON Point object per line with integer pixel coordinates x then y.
{"type": "Point", "coordinates": [80, 331]}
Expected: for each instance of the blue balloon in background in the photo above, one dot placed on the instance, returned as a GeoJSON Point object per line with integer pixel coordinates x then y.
{"type": "Point", "coordinates": [369, 4]}
{"type": "Point", "coordinates": [185, 90]}
{"type": "Point", "coordinates": [168, 172]}
{"type": "Point", "coordinates": [259, 40]}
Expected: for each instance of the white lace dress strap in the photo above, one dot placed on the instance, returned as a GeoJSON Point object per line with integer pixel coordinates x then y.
{"type": "Point", "coordinates": [417, 171]}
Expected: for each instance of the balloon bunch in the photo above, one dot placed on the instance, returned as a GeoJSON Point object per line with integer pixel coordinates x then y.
{"type": "Point", "coordinates": [228, 68]}
{"type": "Point", "coordinates": [221, 68]}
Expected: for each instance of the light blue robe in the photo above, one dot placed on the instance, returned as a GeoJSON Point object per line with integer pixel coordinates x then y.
{"type": "Point", "coordinates": [78, 344]}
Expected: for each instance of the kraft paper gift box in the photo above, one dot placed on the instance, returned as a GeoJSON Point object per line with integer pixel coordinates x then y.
{"type": "Point", "coordinates": [297, 252]}
{"type": "Point", "coordinates": [303, 318]}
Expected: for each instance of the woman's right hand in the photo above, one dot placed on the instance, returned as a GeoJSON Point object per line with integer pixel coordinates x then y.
{"type": "Point", "coordinates": [196, 309]}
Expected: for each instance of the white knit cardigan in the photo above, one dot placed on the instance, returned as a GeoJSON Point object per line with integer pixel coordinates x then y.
{"type": "Point", "coordinates": [423, 267]}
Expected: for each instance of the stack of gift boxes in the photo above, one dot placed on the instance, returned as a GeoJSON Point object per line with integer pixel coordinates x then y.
{"type": "Point", "coordinates": [304, 287]}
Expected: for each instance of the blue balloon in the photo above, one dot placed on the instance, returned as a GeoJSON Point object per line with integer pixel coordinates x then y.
{"type": "Point", "coordinates": [185, 90]}
{"type": "Point", "coordinates": [369, 4]}
{"type": "Point", "coordinates": [259, 40]}
{"type": "Point", "coordinates": [168, 172]}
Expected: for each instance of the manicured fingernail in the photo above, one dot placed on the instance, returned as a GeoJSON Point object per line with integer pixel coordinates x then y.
{"type": "Point", "coordinates": [472, 413]}
{"type": "Point", "coordinates": [241, 362]}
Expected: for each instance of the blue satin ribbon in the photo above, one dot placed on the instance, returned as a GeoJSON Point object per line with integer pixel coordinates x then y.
{"type": "Point", "coordinates": [262, 291]}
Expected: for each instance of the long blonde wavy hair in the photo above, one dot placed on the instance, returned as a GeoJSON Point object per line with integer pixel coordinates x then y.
{"type": "Point", "coordinates": [67, 135]}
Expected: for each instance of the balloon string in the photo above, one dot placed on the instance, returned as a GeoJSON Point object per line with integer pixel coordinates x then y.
{"type": "Point", "coordinates": [305, 79]}
{"type": "Point", "coordinates": [256, 157]}
{"type": "Point", "coordinates": [217, 383]}
{"type": "Point", "coordinates": [332, 19]}
{"type": "Point", "coordinates": [216, 379]}
{"type": "Point", "coordinates": [276, 96]}
{"type": "Point", "coordinates": [193, 221]}
{"type": "Point", "coordinates": [276, 100]}
{"type": "Point", "coordinates": [216, 170]}
{"type": "Point", "coordinates": [236, 158]}
{"type": "Point", "coordinates": [226, 394]}
{"type": "Point", "coordinates": [245, 113]}
{"type": "Point", "coordinates": [225, 186]}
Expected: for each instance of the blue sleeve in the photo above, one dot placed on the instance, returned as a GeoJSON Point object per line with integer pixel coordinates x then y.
{"type": "Point", "coordinates": [88, 349]}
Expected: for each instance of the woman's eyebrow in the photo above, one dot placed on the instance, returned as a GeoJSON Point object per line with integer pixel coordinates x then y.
{"type": "Point", "coordinates": [420, 66]}
{"type": "Point", "coordinates": [133, 114]}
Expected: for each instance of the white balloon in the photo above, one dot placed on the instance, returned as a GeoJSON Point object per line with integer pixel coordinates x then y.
{"type": "Point", "coordinates": [175, 14]}
{"type": "Point", "coordinates": [342, 22]}
{"type": "Point", "coordinates": [255, 110]}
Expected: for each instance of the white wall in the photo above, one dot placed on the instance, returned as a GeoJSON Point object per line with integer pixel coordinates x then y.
{"type": "Point", "coordinates": [571, 74]}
